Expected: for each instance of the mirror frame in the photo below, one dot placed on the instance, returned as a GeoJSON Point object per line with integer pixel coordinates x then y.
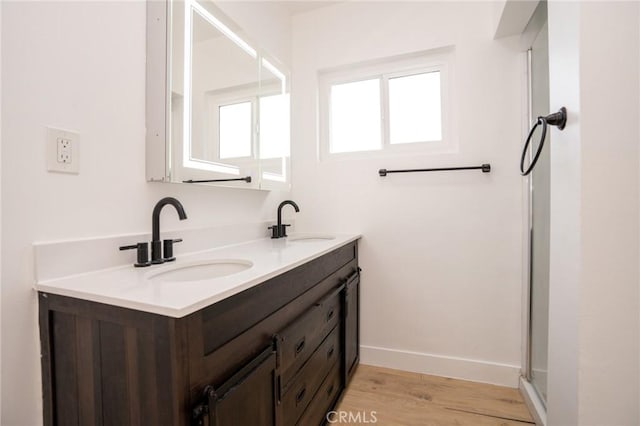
{"type": "Point", "coordinates": [158, 98]}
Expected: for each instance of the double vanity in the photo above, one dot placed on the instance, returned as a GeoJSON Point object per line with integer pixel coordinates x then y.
{"type": "Point", "coordinates": [260, 332]}
{"type": "Point", "coordinates": [263, 332]}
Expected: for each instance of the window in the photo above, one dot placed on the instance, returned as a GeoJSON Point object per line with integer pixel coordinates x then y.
{"type": "Point", "coordinates": [391, 105]}
{"type": "Point", "coordinates": [355, 116]}
{"type": "Point", "coordinates": [415, 108]}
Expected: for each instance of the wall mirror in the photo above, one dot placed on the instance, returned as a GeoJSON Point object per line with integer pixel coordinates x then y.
{"type": "Point", "coordinates": [217, 104]}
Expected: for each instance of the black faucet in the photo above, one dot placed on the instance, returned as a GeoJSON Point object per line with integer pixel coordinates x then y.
{"type": "Point", "coordinates": [156, 244]}
{"type": "Point", "coordinates": [280, 230]}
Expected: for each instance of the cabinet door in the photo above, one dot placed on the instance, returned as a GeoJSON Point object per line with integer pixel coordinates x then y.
{"type": "Point", "coordinates": [351, 326]}
{"type": "Point", "coordinates": [247, 398]}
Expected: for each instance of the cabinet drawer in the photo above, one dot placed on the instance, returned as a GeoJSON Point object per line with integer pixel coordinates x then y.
{"type": "Point", "coordinates": [229, 318]}
{"type": "Point", "coordinates": [323, 400]}
{"type": "Point", "coordinates": [304, 385]}
{"type": "Point", "coordinates": [301, 338]}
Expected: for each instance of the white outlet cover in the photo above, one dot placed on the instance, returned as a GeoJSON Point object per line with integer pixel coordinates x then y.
{"type": "Point", "coordinates": [53, 165]}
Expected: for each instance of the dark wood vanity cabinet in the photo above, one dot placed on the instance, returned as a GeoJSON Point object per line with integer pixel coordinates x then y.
{"type": "Point", "coordinates": [279, 353]}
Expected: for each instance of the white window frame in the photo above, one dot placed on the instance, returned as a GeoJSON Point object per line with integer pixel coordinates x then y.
{"type": "Point", "coordinates": [385, 69]}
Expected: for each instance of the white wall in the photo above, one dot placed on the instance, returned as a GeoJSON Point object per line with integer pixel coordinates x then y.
{"type": "Point", "coordinates": [0, 211]}
{"type": "Point", "coordinates": [81, 65]}
{"type": "Point", "coordinates": [441, 252]}
{"type": "Point", "coordinates": [593, 324]}
{"type": "Point", "coordinates": [610, 142]}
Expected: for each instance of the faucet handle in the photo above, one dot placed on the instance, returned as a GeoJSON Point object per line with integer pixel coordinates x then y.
{"type": "Point", "coordinates": [168, 249]}
{"type": "Point", "coordinates": [143, 254]}
{"type": "Point", "coordinates": [278, 231]}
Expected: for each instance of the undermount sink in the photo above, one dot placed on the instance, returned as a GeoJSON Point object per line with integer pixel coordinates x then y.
{"type": "Point", "coordinates": [201, 270]}
{"type": "Point", "coordinates": [310, 238]}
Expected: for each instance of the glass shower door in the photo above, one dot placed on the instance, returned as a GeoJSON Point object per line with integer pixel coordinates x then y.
{"type": "Point", "coordinates": [539, 201]}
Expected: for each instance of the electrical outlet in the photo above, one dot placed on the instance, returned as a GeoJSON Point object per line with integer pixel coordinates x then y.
{"type": "Point", "coordinates": [64, 150]}
{"type": "Point", "coordinates": [63, 147]}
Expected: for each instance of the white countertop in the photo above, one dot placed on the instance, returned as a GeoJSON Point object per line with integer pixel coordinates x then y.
{"type": "Point", "coordinates": [130, 287]}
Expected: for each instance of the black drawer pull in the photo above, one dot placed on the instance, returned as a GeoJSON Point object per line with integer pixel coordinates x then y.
{"type": "Point", "coordinates": [330, 352]}
{"type": "Point", "coordinates": [330, 315]}
{"type": "Point", "coordinates": [300, 346]}
{"type": "Point", "coordinates": [352, 277]}
{"type": "Point", "coordinates": [300, 395]}
{"type": "Point", "coordinates": [330, 390]}
{"type": "Point", "coordinates": [331, 294]}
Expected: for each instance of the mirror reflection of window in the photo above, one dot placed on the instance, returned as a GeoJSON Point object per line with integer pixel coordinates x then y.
{"type": "Point", "coordinates": [211, 75]}
{"type": "Point", "coordinates": [274, 126]}
{"type": "Point", "coordinates": [229, 101]}
{"type": "Point", "coordinates": [235, 130]}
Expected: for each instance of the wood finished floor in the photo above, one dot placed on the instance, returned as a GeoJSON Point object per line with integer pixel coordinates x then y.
{"type": "Point", "coordinates": [401, 398]}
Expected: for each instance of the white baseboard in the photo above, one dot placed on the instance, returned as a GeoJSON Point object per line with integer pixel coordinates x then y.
{"type": "Point", "coordinates": [438, 365]}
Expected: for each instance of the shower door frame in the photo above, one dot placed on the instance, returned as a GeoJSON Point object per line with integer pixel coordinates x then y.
{"type": "Point", "coordinates": [536, 406]}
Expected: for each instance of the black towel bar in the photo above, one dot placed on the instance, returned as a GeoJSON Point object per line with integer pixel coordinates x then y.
{"type": "Point", "coordinates": [246, 179]}
{"type": "Point", "coordinates": [486, 168]}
